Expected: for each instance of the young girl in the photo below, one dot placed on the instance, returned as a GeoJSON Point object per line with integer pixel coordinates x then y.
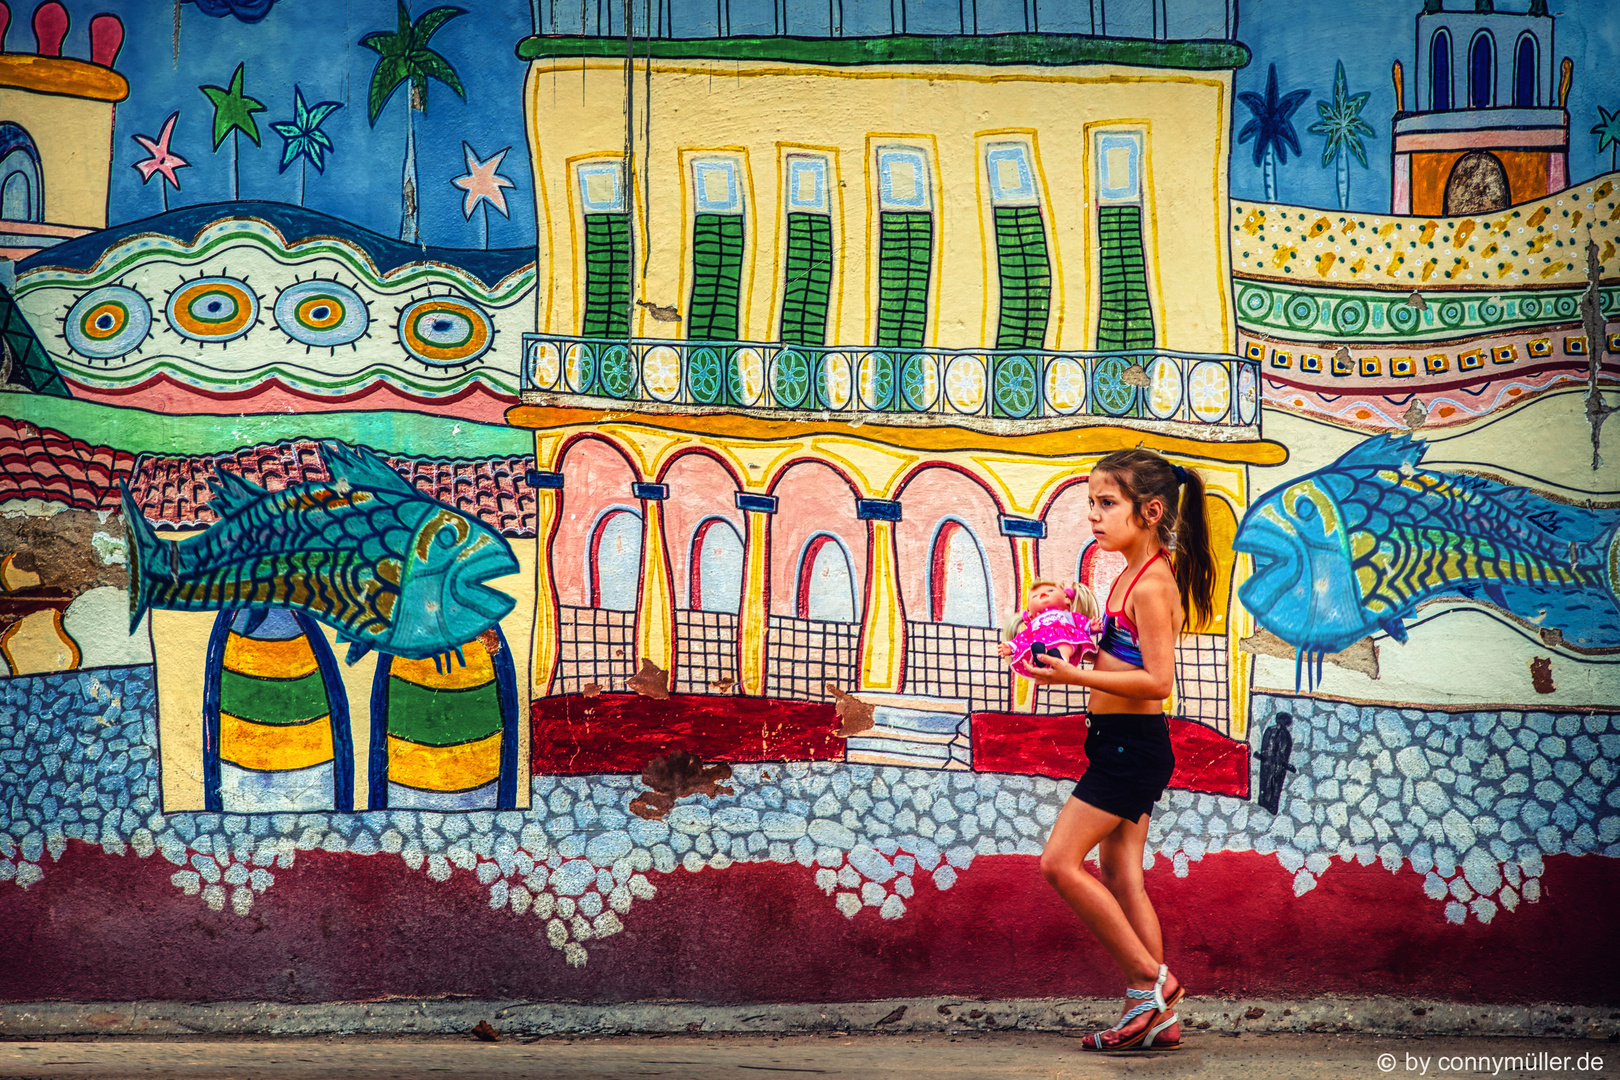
{"type": "Point", "coordinates": [1143, 507]}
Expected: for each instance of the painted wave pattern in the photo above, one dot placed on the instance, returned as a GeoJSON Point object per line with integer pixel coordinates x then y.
{"type": "Point", "coordinates": [1472, 801]}
{"type": "Point", "coordinates": [316, 317]}
{"type": "Point", "coordinates": [1539, 243]}
{"type": "Point", "coordinates": [1380, 412]}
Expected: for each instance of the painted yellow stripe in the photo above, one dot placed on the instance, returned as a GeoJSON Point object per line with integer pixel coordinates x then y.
{"type": "Point", "coordinates": [478, 670]}
{"type": "Point", "coordinates": [274, 746]}
{"type": "Point", "coordinates": [288, 659]}
{"type": "Point", "coordinates": [444, 768]}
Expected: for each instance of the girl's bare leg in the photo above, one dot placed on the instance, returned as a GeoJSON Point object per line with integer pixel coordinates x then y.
{"type": "Point", "coordinates": [1120, 856]}
{"type": "Point", "coordinates": [1078, 829]}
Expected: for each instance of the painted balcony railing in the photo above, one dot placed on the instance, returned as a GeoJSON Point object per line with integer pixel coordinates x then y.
{"type": "Point", "coordinates": [1151, 384]}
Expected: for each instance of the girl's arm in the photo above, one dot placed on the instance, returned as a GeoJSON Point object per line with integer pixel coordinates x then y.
{"type": "Point", "coordinates": [1156, 615]}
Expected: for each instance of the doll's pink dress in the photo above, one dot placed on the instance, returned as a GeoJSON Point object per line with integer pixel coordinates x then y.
{"type": "Point", "coordinates": [1052, 627]}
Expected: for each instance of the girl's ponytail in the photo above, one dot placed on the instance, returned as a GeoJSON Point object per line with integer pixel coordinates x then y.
{"type": "Point", "coordinates": [1184, 529]}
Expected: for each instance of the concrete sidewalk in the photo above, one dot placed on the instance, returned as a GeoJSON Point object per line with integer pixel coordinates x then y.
{"type": "Point", "coordinates": [965, 1056]}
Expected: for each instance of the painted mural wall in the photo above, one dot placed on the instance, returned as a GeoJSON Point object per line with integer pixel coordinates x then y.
{"type": "Point", "coordinates": [495, 508]}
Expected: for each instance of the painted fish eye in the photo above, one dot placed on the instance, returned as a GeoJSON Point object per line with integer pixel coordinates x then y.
{"type": "Point", "coordinates": [447, 535]}
{"type": "Point", "coordinates": [1305, 509]}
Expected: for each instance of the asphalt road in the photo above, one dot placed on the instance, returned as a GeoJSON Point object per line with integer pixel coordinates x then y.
{"type": "Point", "coordinates": [755, 1057]}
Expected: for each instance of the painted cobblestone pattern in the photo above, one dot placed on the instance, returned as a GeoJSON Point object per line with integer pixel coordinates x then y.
{"type": "Point", "coordinates": [1473, 801]}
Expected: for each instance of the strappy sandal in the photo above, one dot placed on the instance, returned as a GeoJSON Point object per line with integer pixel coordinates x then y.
{"type": "Point", "coordinates": [1144, 1026]}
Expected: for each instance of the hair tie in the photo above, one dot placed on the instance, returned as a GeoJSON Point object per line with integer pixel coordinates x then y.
{"type": "Point", "coordinates": [1069, 592]}
{"type": "Point", "coordinates": [1181, 474]}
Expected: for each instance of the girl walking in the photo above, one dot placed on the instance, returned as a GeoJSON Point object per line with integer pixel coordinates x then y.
{"type": "Point", "coordinates": [1145, 508]}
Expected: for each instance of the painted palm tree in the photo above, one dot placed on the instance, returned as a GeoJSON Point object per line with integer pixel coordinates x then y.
{"type": "Point", "coordinates": [1342, 127]}
{"type": "Point", "coordinates": [233, 116]}
{"type": "Point", "coordinates": [1608, 133]}
{"type": "Point", "coordinates": [404, 57]}
{"type": "Point", "coordinates": [303, 140]}
{"type": "Point", "coordinates": [1272, 129]}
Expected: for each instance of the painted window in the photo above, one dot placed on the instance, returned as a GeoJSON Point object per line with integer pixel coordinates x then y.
{"type": "Point", "coordinates": [1024, 270]}
{"type": "Point", "coordinates": [607, 250]}
{"type": "Point", "coordinates": [807, 269]}
{"type": "Point", "coordinates": [826, 581]}
{"type": "Point", "coordinates": [21, 194]}
{"type": "Point", "coordinates": [1098, 570]}
{"type": "Point", "coordinates": [1481, 71]}
{"type": "Point", "coordinates": [1125, 315]}
{"type": "Point", "coordinates": [1440, 70]}
{"type": "Point", "coordinates": [905, 246]}
{"type": "Point", "coordinates": [615, 560]}
{"type": "Point", "coordinates": [959, 580]}
{"type": "Point", "coordinates": [718, 239]}
{"type": "Point", "coordinates": [1525, 92]}
{"type": "Point", "coordinates": [717, 567]}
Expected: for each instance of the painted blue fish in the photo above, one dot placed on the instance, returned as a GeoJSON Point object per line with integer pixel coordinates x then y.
{"type": "Point", "coordinates": [1356, 546]}
{"type": "Point", "coordinates": [386, 566]}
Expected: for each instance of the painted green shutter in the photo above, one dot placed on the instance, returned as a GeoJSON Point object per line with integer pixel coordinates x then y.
{"type": "Point", "coordinates": [808, 273]}
{"type": "Point", "coordinates": [1026, 278]}
{"type": "Point", "coordinates": [717, 255]}
{"type": "Point", "coordinates": [905, 259]}
{"type": "Point", "coordinates": [1125, 320]}
{"type": "Point", "coordinates": [607, 275]}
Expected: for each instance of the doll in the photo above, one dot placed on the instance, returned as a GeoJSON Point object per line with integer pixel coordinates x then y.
{"type": "Point", "coordinates": [1057, 622]}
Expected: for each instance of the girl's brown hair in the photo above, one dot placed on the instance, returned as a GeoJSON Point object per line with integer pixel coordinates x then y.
{"type": "Point", "coordinates": [1183, 530]}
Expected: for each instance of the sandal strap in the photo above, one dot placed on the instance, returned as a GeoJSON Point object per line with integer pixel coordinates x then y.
{"type": "Point", "coordinates": [1142, 995]}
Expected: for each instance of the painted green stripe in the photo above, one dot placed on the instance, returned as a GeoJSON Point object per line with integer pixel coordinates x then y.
{"type": "Point", "coordinates": [273, 701]}
{"type": "Point", "coordinates": [442, 717]}
{"type": "Point", "coordinates": [1042, 50]}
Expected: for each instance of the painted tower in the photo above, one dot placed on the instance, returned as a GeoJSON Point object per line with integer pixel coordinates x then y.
{"type": "Point", "coordinates": [1487, 128]}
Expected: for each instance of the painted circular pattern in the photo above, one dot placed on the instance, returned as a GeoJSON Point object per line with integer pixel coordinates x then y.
{"type": "Point", "coordinates": [1490, 311]}
{"type": "Point", "coordinates": [445, 330]}
{"type": "Point", "coordinates": [877, 380]}
{"type": "Point", "coordinates": [661, 372]}
{"type": "Point", "coordinates": [745, 378]}
{"type": "Point", "coordinates": [108, 322]}
{"type": "Point", "coordinates": [790, 378]}
{"type": "Point", "coordinates": [1209, 390]}
{"type": "Point", "coordinates": [1452, 313]}
{"type": "Point", "coordinates": [703, 375]}
{"type": "Point", "coordinates": [618, 372]}
{"type": "Point", "coordinates": [213, 309]}
{"type": "Point", "coordinates": [545, 365]}
{"type": "Point", "coordinates": [1014, 391]}
{"type": "Point", "coordinates": [1248, 394]}
{"type": "Point", "coordinates": [1301, 312]}
{"type": "Point", "coordinates": [964, 383]}
{"type": "Point", "coordinates": [321, 314]}
{"type": "Point", "coordinates": [1164, 391]}
{"type": "Point", "coordinates": [1401, 315]}
{"type": "Point", "coordinates": [1065, 385]}
{"type": "Point", "coordinates": [1109, 389]}
{"type": "Point", "coordinates": [1350, 316]}
{"type": "Point", "coordinates": [919, 381]}
{"type": "Point", "coordinates": [1566, 307]}
{"type": "Point", "coordinates": [1254, 302]}
{"type": "Point", "coordinates": [1529, 307]}
{"type": "Point", "coordinates": [833, 381]}
{"type": "Point", "coordinates": [580, 368]}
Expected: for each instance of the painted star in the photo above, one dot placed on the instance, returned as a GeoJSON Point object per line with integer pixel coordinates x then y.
{"type": "Point", "coordinates": [163, 160]}
{"type": "Point", "coordinates": [483, 183]}
{"type": "Point", "coordinates": [233, 110]}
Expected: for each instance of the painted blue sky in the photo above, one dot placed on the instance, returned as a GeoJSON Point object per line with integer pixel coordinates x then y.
{"type": "Point", "coordinates": [314, 44]}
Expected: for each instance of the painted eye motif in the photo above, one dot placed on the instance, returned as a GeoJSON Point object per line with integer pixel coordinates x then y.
{"type": "Point", "coordinates": [321, 314]}
{"type": "Point", "coordinates": [215, 309]}
{"type": "Point", "coordinates": [444, 330]}
{"type": "Point", "coordinates": [108, 322]}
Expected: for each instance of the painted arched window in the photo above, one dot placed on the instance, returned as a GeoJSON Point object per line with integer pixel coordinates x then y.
{"type": "Point", "coordinates": [1525, 93]}
{"type": "Point", "coordinates": [1440, 70]}
{"type": "Point", "coordinates": [615, 566]}
{"type": "Point", "coordinates": [21, 190]}
{"type": "Point", "coordinates": [717, 567]}
{"type": "Point", "coordinates": [826, 581]}
{"type": "Point", "coordinates": [1098, 570]}
{"type": "Point", "coordinates": [1481, 72]}
{"type": "Point", "coordinates": [958, 579]}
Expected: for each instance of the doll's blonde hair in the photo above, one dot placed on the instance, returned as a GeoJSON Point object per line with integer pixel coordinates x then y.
{"type": "Point", "coordinates": [1082, 601]}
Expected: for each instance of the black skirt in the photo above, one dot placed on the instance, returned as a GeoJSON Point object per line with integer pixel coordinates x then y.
{"type": "Point", "coordinates": [1129, 763]}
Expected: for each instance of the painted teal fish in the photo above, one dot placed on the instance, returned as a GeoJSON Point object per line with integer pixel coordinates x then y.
{"type": "Point", "coordinates": [384, 565]}
{"type": "Point", "coordinates": [1355, 547]}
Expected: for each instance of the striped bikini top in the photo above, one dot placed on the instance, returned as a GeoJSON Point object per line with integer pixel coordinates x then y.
{"type": "Point", "coordinates": [1118, 637]}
